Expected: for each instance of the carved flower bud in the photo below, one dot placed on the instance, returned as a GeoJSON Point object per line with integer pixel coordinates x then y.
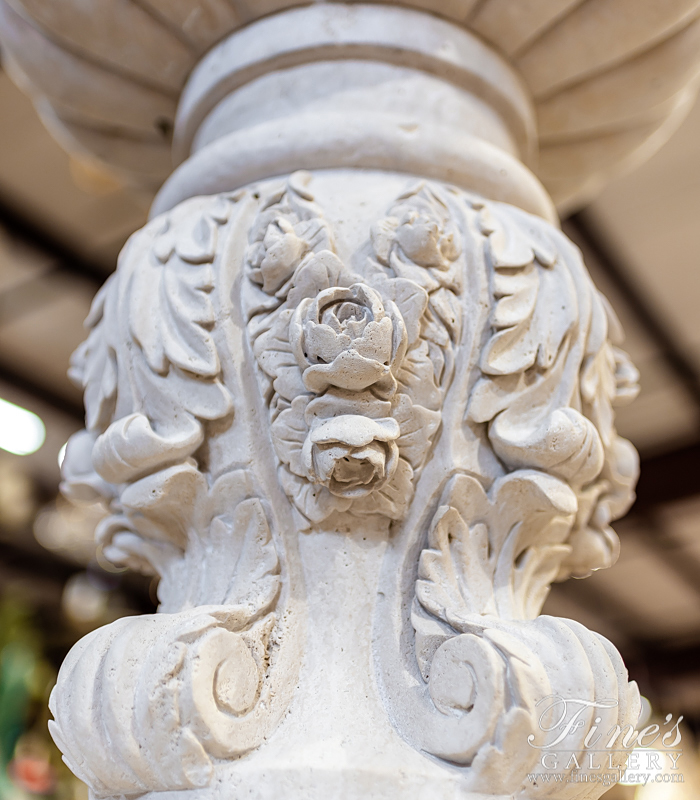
{"type": "Point", "coordinates": [427, 241]}
{"type": "Point", "coordinates": [352, 455]}
{"type": "Point", "coordinates": [347, 337]}
{"type": "Point", "coordinates": [277, 256]}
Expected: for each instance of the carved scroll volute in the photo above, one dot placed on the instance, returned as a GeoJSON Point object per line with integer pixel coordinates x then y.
{"type": "Point", "coordinates": [168, 447]}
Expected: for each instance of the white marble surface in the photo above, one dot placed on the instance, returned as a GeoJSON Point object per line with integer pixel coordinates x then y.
{"type": "Point", "coordinates": [357, 418]}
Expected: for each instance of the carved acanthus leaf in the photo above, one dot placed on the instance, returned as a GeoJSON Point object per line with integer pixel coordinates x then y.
{"type": "Point", "coordinates": [495, 553]}
{"type": "Point", "coordinates": [171, 313]}
{"type": "Point", "coordinates": [152, 375]}
{"type": "Point", "coordinates": [185, 531]}
{"type": "Point", "coordinates": [94, 364]}
{"type": "Point", "coordinates": [487, 660]}
{"type": "Point", "coordinates": [550, 376]}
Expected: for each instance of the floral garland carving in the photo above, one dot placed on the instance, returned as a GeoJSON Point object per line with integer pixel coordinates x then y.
{"type": "Point", "coordinates": [354, 367]}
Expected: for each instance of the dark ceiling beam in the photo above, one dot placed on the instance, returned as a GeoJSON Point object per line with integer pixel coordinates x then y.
{"type": "Point", "coordinates": [664, 674]}
{"type": "Point", "coordinates": [663, 671]}
{"type": "Point", "coordinates": [42, 393]}
{"type": "Point", "coordinates": [669, 658]}
{"type": "Point", "coordinates": [36, 563]}
{"type": "Point", "coordinates": [667, 548]}
{"type": "Point", "coordinates": [64, 257]}
{"type": "Point", "coordinates": [612, 263]}
{"type": "Point", "coordinates": [622, 620]}
{"type": "Point", "coordinates": [668, 477]}
{"type": "Point", "coordinates": [654, 663]}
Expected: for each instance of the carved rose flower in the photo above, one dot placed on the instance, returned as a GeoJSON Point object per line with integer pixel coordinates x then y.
{"type": "Point", "coordinates": [274, 259]}
{"type": "Point", "coordinates": [352, 455]}
{"type": "Point", "coordinates": [427, 241]}
{"type": "Point", "coordinates": [349, 338]}
{"type": "Point", "coordinates": [420, 230]}
{"type": "Point", "coordinates": [343, 451]}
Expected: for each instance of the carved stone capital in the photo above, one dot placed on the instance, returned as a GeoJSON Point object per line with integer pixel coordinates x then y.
{"type": "Point", "coordinates": [356, 440]}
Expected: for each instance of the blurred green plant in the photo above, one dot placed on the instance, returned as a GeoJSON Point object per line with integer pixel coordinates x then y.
{"type": "Point", "coordinates": [30, 764]}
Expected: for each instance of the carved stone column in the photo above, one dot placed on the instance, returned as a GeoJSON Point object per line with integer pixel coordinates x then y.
{"type": "Point", "coordinates": [349, 395]}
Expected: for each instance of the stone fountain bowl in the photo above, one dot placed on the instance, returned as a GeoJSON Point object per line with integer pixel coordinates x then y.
{"type": "Point", "coordinates": [609, 79]}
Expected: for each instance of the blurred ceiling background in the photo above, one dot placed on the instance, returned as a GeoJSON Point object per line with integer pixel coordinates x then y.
{"type": "Point", "coordinates": [62, 224]}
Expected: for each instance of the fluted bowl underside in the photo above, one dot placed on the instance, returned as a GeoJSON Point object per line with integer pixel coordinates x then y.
{"type": "Point", "coordinates": [609, 78]}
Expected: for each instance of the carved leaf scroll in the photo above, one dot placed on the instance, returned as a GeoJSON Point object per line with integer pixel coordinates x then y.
{"type": "Point", "coordinates": [550, 376]}
{"type": "Point", "coordinates": [152, 376]}
{"type": "Point", "coordinates": [486, 689]}
{"type": "Point", "coordinates": [193, 679]}
{"type": "Point", "coordinates": [550, 372]}
{"type": "Point", "coordinates": [179, 689]}
{"type": "Point", "coordinates": [495, 553]}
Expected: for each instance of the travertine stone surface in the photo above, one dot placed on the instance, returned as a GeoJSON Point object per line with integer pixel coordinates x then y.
{"type": "Point", "coordinates": [350, 391]}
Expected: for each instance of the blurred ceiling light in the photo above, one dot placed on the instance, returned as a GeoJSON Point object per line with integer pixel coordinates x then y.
{"type": "Point", "coordinates": [69, 529]}
{"type": "Point", "coordinates": [21, 432]}
{"type": "Point", "coordinates": [83, 602]}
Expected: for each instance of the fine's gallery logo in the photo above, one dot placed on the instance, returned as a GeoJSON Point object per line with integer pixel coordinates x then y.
{"type": "Point", "coordinates": [608, 754]}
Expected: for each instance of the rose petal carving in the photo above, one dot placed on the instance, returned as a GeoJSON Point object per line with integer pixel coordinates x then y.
{"type": "Point", "coordinates": [349, 338]}
{"type": "Point", "coordinates": [352, 455]}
